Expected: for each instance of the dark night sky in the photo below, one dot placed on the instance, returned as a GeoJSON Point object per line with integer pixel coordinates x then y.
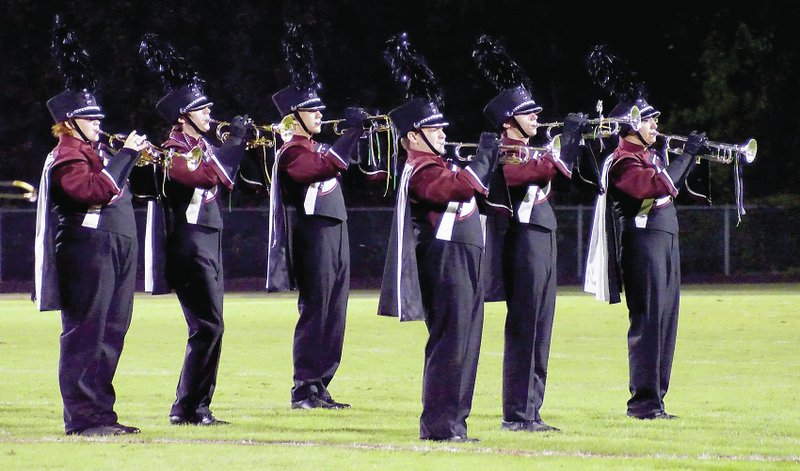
{"type": "Point", "coordinates": [236, 48]}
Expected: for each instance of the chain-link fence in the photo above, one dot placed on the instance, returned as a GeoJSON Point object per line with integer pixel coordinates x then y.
{"type": "Point", "coordinates": [763, 248]}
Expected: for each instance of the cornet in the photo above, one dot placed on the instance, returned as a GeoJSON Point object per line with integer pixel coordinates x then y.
{"type": "Point", "coordinates": [29, 192]}
{"type": "Point", "coordinates": [263, 134]}
{"type": "Point", "coordinates": [154, 155]}
{"type": "Point", "coordinates": [374, 123]}
{"type": "Point", "coordinates": [604, 126]}
{"type": "Point", "coordinates": [722, 153]}
{"type": "Point", "coordinates": [528, 152]}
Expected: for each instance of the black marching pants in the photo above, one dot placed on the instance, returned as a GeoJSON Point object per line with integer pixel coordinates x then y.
{"type": "Point", "coordinates": [452, 295]}
{"type": "Point", "coordinates": [530, 279]}
{"type": "Point", "coordinates": [321, 251]}
{"type": "Point", "coordinates": [97, 275]}
{"type": "Point", "coordinates": [195, 270]}
{"type": "Point", "coordinates": [651, 271]}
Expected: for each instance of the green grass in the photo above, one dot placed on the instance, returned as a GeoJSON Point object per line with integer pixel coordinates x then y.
{"type": "Point", "coordinates": [735, 387]}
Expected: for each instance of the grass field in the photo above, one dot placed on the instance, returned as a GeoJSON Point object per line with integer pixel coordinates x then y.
{"type": "Point", "coordinates": [735, 387]}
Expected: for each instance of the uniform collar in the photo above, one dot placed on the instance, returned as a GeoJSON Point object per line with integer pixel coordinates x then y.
{"type": "Point", "coordinates": [187, 140]}
{"type": "Point", "coordinates": [510, 141]}
{"type": "Point", "coordinates": [415, 156]}
{"type": "Point", "coordinates": [631, 147]}
{"type": "Point", "coordinates": [72, 142]}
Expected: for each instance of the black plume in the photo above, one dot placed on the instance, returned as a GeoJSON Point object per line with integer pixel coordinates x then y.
{"type": "Point", "coordinates": [72, 59]}
{"type": "Point", "coordinates": [613, 75]}
{"type": "Point", "coordinates": [497, 66]}
{"type": "Point", "coordinates": [411, 71]}
{"type": "Point", "coordinates": [163, 59]}
{"type": "Point", "coordinates": [300, 58]}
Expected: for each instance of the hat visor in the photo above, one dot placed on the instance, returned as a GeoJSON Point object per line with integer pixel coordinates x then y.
{"type": "Point", "coordinates": [199, 106]}
{"type": "Point", "coordinates": [319, 107]}
{"type": "Point", "coordinates": [528, 109]}
{"type": "Point", "coordinates": [649, 112]}
{"type": "Point", "coordinates": [89, 116]}
{"type": "Point", "coordinates": [439, 122]}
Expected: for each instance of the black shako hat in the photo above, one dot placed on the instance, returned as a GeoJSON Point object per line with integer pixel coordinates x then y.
{"type": "Point", "coordinates": [422, 110]}
{"type": "Point", "coordinates": [183, 86]}
{"type": "Point", "coordinates": [301, 95]}
{"type": "Point", "coordinates": [182, 100]}
{"type": "Point", "coordinates": [292, 98]}
{"type": "Point", "coordinates": [78, 100]}
{"type": "Point", "coordinates": [623, 108]}
{"type": "Point", "coordinates": [417, 114]}
{"type": "Point", "coordinates": [510, 102]}
{"type": "Point", "coordinates": [507, 77]}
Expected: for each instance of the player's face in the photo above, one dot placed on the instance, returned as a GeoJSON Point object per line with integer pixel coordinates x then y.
{"type": "Point", "coordinates": [90, 128]}
{"type": "Point", "coordinates": [312, 120]}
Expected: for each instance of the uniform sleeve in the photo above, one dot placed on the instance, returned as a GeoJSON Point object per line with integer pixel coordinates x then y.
{"type": "Point", "coordinates": [79, 182]}
{"type": "Point", "coordinates": [439, 185]}
{"type": "Point", "coordinates": [639, 180]}
{"type": "Point", "coordinates": [536, 171]}
{"type": "Point", "coordinates": [307, 166]}
{"type": "Point", "coordinates": [205, 176]}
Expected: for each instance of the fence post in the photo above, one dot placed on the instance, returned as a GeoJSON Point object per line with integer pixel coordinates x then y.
{"type": "Point", "coordinates": [579, 242]}
{"type": "Point", "coordinates": [726, 239]}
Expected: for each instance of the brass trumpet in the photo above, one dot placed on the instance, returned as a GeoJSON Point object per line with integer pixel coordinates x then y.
{"type": "Point", "coordinates": [528, 152]}
{"type": "Point", "coordinates": [154, 155]}
{"type": "Point", "coordinates": [29, 192]}
{"type": "Point", "coordinates": [604, 127]}
{"type": "Point", "coordinates": [374, 123]}
{"type": "Point", "coordinates": [723, 153]}
{"type": "Point", "coordinates": [263, 134]}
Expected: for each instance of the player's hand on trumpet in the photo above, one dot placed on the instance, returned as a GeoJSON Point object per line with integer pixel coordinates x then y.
{"type": "Point", "coordinates": [696, 144]}
{"type": "Point", "coordinates": [575, 125]}
{"type": "Point", "coordinates": [135, 141]}
{"type": "Point", "coordinates": [354, 118]}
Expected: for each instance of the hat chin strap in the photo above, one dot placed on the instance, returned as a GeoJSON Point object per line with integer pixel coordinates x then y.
{"type": "Point", "coordinates": [519, 128]}
{"type": "Point", "coordinates": [192, 124]}
{"type": "Point", "coordinates": [428, 143]}
{"type": "Point", "coordinates": [78, 130]}
{"type": "Point", "coordinates": [641, 140]}
{"type": "Point", "coordinates": [296, 114]}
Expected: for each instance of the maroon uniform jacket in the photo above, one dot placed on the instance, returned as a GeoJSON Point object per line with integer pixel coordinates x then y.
{"type": "Point", "coordinates": [305, 176]}
{"type": "Point", "coordinates": [433, 200]}
{"type": "Point", "coordinates": [642, 189]}
{"type": "Point", "coordinates": [86, 188]}
{"type": "Point", "coordinates": [191, 192]}
{"type": "Point", "coordinates": [529, 186]}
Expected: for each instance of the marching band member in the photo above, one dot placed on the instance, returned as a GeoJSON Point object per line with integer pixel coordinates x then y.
{"type": "Point", "coordinates": [527, 251]}
{"type": "Point", "coordinates": [433, 267]}
{"type": "Point", "coordinates": [86, 259]}
{"type": "Point", "coordinates": [306, 178]}
{"type": "Point", "coordinates": [642, 187]}
{"type": "Point", "coordinates": [194, 242]}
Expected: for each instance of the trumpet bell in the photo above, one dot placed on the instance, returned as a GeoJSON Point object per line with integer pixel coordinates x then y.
{"type": "Point", "coordinates": [193, 158]}
{"type": "Point", "coordinates": [749, 150]}
{"type": "Point", "coordinates": [286, 127]}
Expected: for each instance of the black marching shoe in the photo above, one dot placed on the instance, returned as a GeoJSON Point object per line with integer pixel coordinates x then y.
{"type": "Point", "coordinates": [660, 415]}
{"type": "Point", "coordinates": [126, 429]}
{"type": "Point", "coordinates": [179, 420]}
{"type": "Point", "coordinates": [528, 426]}
{"type": "Point", "coordinates": [97, 431]}
{"type": "Point", "coordinates": [315, 402]}
{"type": "Point", "coordinates": [338, 405]}
{"type": "Point", "coordinates": [203, 420]}
{"type": "Point", "coordinates": [454, 439]}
